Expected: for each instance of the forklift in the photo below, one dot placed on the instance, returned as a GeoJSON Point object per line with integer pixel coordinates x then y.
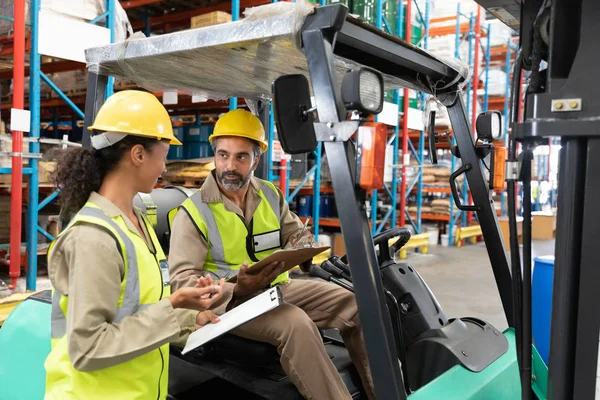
{"type": "Point", "coordinates": [415, 351]}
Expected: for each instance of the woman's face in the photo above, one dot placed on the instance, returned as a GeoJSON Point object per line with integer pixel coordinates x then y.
{"type": "Point", "coordinates": [150, 164]}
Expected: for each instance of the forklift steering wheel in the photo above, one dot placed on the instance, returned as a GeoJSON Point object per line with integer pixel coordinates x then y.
{"type": "Point", "coordinates": [386, 251]}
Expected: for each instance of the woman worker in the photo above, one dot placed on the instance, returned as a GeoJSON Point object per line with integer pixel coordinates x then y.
{"type": "Point", "coordinates": [113, 315]}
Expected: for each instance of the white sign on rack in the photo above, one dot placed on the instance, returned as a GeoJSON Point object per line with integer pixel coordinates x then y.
{"type": "Point", "coordinates": [67, 38]}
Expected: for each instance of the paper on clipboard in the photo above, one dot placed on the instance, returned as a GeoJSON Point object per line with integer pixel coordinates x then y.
{"type": "Point", "coordinates": [291, 257]}
{"type": "Point", "coordinates": [232, 319]}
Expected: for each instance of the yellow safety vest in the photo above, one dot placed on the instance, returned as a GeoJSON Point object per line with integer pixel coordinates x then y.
{"type": "Point", "coordinates": [230, 242]}
{"type": "Point", "coordinates": [145, 377]}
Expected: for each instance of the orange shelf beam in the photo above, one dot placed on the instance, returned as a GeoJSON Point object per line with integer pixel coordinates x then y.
{"type": "Point", "coordinates": [433, 217]}
{"type": "Point", "coordinates": [328, 222]}
{"type": "Point", "coordinates": [308, 191]}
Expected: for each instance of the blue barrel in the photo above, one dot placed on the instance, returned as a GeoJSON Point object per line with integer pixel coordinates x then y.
{"type": "Point", "coordinates": [304, 206]}
{"type": "Point", "coordinates": [206, 131]}
{"type": "Point", "coordinates": [197, 150]}
{"type": "Point", "coordinates": [326, 207]}
{"type": "Point", "coordinates": [192, 134]}
{"type": "Point", "coordinates": [541, 304]}
{"type": "Point", "coordinates": [176, 153]}
{"type": "Point", "coordinates": [179, 132]}
{"type": "Point", "coordinates": [192, 150]}
{"type": "Point", "coordinates": [195, 133]}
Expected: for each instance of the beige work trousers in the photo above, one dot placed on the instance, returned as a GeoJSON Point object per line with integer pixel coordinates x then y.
{"type": "Point", "coordinates": [292, 328]}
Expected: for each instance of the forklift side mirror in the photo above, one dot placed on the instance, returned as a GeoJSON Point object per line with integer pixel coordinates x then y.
{"type": "Point", "coordinates": [293, 114]}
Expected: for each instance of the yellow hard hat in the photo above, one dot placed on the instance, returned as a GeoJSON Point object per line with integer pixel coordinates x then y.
{"type": "Point", "coordinates": [240, 123]}
{"type": "Point", "coordinates": [137, 113]}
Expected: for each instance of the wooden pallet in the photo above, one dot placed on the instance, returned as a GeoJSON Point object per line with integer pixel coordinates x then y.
{"type": "Point", "coordinates": [188, 182]}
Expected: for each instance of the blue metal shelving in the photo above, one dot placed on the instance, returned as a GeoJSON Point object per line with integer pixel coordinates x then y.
{"type": "Point", "coordinates": [36, 75]}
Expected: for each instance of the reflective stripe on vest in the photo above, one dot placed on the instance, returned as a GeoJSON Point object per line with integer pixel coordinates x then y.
{"type": "Point", "coordinates": [151, 208]}
{"type": "Point", "coordinates": [131, 295]}
{"type": "Point", "coordinates": [217, 249]}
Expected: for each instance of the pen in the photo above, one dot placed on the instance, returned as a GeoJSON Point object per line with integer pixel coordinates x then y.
{"type": "Point", "coordinates": [304, 228]}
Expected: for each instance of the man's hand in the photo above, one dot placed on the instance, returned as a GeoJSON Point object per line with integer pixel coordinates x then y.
{"type": "Point", "coordinates": [305, 240]}
{"type": "Point", "coordinates": [197, 298]}
{"type": "Point", "coordinates": [206, 317]}
{"type": "Point", "coordinates": [248, 284]}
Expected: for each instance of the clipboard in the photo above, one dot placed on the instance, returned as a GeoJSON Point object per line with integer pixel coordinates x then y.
{"type": "Point", "coordinates": [292, 258]}
{"type": "Point", "coordinates": [241, 314]}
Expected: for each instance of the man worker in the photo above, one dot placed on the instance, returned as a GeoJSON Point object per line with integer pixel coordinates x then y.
{"type": "Point", "coordinates": [236, 219]}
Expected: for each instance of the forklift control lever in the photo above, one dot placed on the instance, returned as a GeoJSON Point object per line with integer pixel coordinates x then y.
{"type": "Point", "coordinates": [318, 272]}
{"type": "Point", "coordinates": [335, 271]}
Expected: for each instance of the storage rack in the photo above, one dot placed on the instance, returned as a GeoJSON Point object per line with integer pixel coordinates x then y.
{"type": "Point", "coordinates": [36, 75]}
{"type": "Point", "coordinates": [150, 23]}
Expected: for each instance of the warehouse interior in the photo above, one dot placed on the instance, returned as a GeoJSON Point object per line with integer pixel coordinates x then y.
{"type": "Point", "coordinates": [44, 112]}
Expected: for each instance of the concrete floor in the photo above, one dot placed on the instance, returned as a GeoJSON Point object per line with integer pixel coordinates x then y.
{"type": "Point", "coordinates": [463, 281]}
{"type": "Point", "coordinates": [43, 282]}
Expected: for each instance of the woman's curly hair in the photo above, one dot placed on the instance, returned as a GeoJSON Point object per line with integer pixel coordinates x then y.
{"type": "Point", "coordinates": [79, 171]}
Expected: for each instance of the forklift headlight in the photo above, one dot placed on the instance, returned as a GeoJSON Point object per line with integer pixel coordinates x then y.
{"type": "Point", "coordinates": [489, 126]}
{"type": "Point", "coordinates": [362, 90]}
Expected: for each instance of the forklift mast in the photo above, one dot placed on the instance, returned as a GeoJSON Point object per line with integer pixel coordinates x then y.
{"type": "Point", "coordinates": [562, 101]}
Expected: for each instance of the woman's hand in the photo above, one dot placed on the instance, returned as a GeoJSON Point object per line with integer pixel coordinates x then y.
{"type": "Point", "coordinates": [198, 298]}
{"type": "Point", "coordinates": [206, 317]}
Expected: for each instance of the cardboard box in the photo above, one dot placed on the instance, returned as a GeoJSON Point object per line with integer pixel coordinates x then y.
{"type": "Point", "coordinates": [213, 18]}
{"type": "Point", "coordinates": [543, 225]}
{"type": "Point", "coordinates": [339, 248]}
{"type": "Point", "coordinates": [45, 168]}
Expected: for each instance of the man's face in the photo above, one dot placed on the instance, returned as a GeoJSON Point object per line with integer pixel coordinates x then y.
{"type": "Point", "coordinates": [234, 162]}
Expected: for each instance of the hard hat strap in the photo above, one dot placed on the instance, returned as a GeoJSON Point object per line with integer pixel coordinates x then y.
{"type": "Point", "coordinates": [106, 139]}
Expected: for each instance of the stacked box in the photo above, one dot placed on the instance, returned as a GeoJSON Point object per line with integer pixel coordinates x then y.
{"type": "Point", "coordinates": [213, 18]}
{"type": "Point", "coordinates": [70, 82]}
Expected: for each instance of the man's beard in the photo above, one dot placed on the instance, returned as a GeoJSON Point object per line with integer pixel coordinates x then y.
{"type": "Point", "coordinates": [232, 180]}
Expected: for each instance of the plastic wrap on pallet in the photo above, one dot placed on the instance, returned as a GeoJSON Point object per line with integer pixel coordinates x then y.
{"type": "Point", "coordinates": [85, 10]}
{"type": "Point", "coordinates": [216, 62]}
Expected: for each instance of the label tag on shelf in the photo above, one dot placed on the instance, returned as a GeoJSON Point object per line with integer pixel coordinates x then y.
{"type": "Point", "coordinates": [169, 98]}
{"type": "Point", "coordinates": [20, 120]}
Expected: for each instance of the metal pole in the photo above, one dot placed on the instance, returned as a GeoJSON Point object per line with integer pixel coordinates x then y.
{"type": "Point", "coordinates": [506, 116]}
{"type": "Point", "coordinates": [110, 24]}
{"type": "Point", "coordinates": [396, 142]}
{"type": "Point", "coordinates": [405, 154]}
{"type": "Point", "coordinates": [378, 24]}
{"type": "Point", "coordinates": [235, 15]}
{"type": "Point", "coordinates": [488, 51]}
{"type": "Point", "coordinates": [466, 216]}
{"type": "Point", "coordinates": [422, 135]}
{"type": "Point", "coordinates": [317, 192]}
{"type": "Point", "coordinates": [16, 196]}
{"type": "Point", "coordinates": [34, 106]}
{"type": "Point", "coordinates": [477, 37]}
{"type": "Point", "coordinates": [283, 175]}
{"type": "Point", "coordinates": [271, 132]}
{"type": "Point", "coordinates": [453, 167]}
